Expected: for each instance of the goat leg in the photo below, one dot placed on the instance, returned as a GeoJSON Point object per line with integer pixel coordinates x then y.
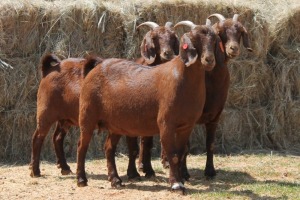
{"type": "Point", "coordinates": [110, 150]}
{"type": "Point", "coordinates": [133, 149]}
{"type": "Point", "coordinates": [58, 141]}
{"type": "Point", "coordinates": [210, 171]}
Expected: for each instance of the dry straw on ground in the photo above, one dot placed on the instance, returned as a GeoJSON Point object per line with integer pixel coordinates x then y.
{"type": "Point", "coordinates": [263, 106]}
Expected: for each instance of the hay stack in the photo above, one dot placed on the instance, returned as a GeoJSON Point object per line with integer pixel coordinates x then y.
{"type": "Point", "coordinates": [284, 60]}
{"type": "Point", "coordinates": [263, 103]}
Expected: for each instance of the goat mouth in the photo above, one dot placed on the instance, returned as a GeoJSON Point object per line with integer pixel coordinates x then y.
{"type": "Point", "coordinates": [167, 58]}
{"type": "Point", "coordinates": [232, 55]}
{"type": "Point", "coordinates": [208, 67]}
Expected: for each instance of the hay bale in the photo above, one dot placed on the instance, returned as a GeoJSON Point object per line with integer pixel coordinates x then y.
{"type": "Point", "coordinates": [284, 60]}
{"type": "Point", "coordinates": [245, 128]}
{"type": "Point", "coordinates": [251, 83]}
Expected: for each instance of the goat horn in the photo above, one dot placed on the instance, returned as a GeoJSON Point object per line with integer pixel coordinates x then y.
{"type": "Point", "coordinates": [152, 25]}
{"type": "Point", "coordinates": [217, 15]}
{"type": "Point", "coordinates": [235, 17]}
{"type": "Point", "coordinates": [168, 24]}
{"type": "Point", "coordinates": [208, 22]}
{"type": "Point", "coordinates": [186, 23]}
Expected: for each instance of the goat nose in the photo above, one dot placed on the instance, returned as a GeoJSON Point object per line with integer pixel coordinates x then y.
{"type": "Point", "coordinates": [209, 59]}
{"type": "Point", "coordinates": [168, 52]}
{"type": "Point", "coordinates": [233, 48]}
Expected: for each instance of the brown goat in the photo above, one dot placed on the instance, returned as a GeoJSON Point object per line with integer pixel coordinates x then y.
{"type": "Point", "coordinates": [133, 99]}
{"type": "Point", "coordinates": [68, 72]}
{"type": "Point", "coordinates": [230, 31]}
{"type": "Point", "coordinates": [57, 101]}
{"type": "Point", "coordinates": [159, 45]}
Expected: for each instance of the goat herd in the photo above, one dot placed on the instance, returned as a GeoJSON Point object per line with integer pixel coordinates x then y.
{"type": "Point", "coordinates": [173, 86]}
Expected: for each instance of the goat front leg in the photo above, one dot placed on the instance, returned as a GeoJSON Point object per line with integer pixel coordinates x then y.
{"type": "Point", "coordinates": [174, 145]}
{"type": "Point", "coordinates": [210, 171]}
{"type": "Point", "coordinates": [110, 150]}
{"type": "Point", "coordinates": [58, 142]}
{"type": "Point", "coordinates": [146, 147]}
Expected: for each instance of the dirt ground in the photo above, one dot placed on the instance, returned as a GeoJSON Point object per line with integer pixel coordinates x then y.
{"type": "Point", "coordinates": [233, 173]}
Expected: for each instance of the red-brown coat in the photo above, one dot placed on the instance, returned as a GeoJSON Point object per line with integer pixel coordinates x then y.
{"type": "Point", "coordinates": [57, 101]}
{"type": "Point", "coordinates": [132, 99]}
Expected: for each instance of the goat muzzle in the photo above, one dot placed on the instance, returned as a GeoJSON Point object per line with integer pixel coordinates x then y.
{"type": "Point", "coordinates": [208, 61]}
{"type": "Point", "coordinates": [233, 49]}
{"type": "Point", "coordinates": [167, 55]}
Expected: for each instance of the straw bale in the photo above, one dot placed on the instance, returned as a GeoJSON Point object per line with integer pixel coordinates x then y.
{"type": "Point", "coordinates": [238, 129]}
{"type": "Point", "coordinates": [245, 128]}
{"type": "Point", "coordinates": [251, 83]}
{"type": "Point", "coordinates": [284, 59]}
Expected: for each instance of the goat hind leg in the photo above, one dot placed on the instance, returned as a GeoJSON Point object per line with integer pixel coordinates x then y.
{"type": "Point", "coordinates": [133, 149]}
{"type": "Point", "coordinates": [58, 142]}
{"type": "Point", "coordinates": [110, 150]}
{"type": "Point", "coordinates": [37, 143]}
{"type": "Point", "coordinates": [147, 145]}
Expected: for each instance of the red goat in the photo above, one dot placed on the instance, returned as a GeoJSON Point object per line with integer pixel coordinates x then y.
{"type": "Point", "coordinates": [217, 82]}
{"type": "Point", "coordinates": [127, 98]}
{"type": "Point", "coordinates": [58, 94]}
{"type": "Point", "coordinates": [159, 45]}
{"type": "Point", "coordinates": [57, 101]}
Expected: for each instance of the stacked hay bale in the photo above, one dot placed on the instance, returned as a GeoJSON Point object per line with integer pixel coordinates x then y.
{"type": "Point", "coordinates": [284, 60]}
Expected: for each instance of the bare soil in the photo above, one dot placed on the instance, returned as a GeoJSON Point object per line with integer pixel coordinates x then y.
{"type": "Point", "coordinates": [235, 174]}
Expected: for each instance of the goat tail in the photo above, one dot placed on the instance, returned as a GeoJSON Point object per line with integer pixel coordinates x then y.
{"type": "Point", "coordinates": [49, 61]}
{"type": "Point", "coordinates": [91, 63]}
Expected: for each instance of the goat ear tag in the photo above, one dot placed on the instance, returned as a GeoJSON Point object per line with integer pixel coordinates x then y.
{"type": "Point", "coordinates": [221, 46]}
{"type": "Point", "coordinates": [185, 46]}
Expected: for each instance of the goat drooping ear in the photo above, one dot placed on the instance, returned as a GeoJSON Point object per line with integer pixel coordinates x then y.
{"type": "Point", "coordinates": [246, 40]}
{"type": "Point", "coordinates": [219, 52]}
{"type": "Point", "coordinates": [148, 49]}
{"type": "Point", "coordinates": [187, 51]}
{"type": "Point", "coordinates": [147, 46]}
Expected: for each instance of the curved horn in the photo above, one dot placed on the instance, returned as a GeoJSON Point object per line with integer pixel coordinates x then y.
{"type": "Point", "coordinates": [217, 15]}
{"type": "Point", "coordinates": [168, 24]}
{"type": "Point", "coordinates": [152, 25]}
{"type": "Point", "coordinates": [235, 17]}
{"type": "Point", "coordinates": [186, 23]}
{"type": "Point", "coordinates": [208, 22]}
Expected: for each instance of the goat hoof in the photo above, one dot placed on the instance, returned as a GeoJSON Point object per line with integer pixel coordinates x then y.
{"type": "Point", "coordinates": [134, 177]}
{"type": "Point", "coordinates": [116, 183]}
{"type": "Point", "coordinates": [82, 182]}
{"type": "Point", "coordinates": [35, 174]}
{"type": "Point", "coordinates": [150, 175]}
{"type": "Point", "coordinates": [178, 188]}
{"type": "Point", "coordinates": [210, 173]}
{"type": "Point", "coordinates": [66, 172]}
